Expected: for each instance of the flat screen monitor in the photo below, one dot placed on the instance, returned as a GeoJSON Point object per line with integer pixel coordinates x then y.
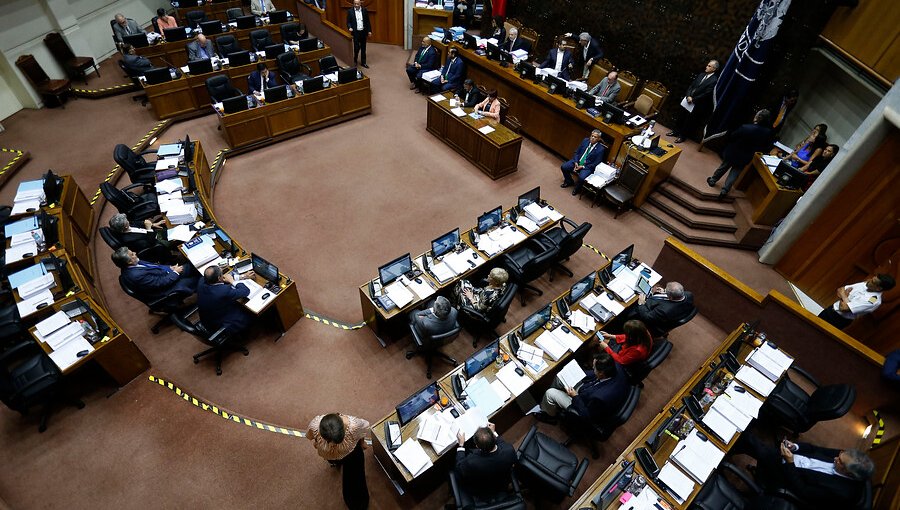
{"type": "Point", "coordinates": [612, 114]}
{"type": "Point", "coordinates": [417, 403]}
{"type": "Point", "coordinates": [789, 177]}
{"type": "Point", "coordinates": [264, 268]}
{"type": "Point", "coordinates": [52, 187]}
{"type": "Point", "coordinates": [175, 34]}
{"type": "Point", "coordinates": [529, 197]}
{"type": "Point", "coordinates": [581, 288]}
{"type": "Point", "coordinates": [394, 269]}
{"type": "Point", "coordinates": [527, 71]}
{"type": "Point", "coordinates": [239, 58]}
{"type": "Point", "coordinates": [605, 276]}
{"type": "Point", "coordinates": [489, 219]}
{"type": "Point", "coordinates": [211, 27]}
{"type": "Point", "coordinates": [469, 41]}
{"type": "Point", "coordinates": [276, 93]}
{"type": "Point", "coordinates": [583, 99]}
{"type": "Point", "coordinates": [492, 51]}
{"type": "Point", "coordinates": [445, 243]}
{"type": "Point", "coordinates": [273, 50]}
{"type": "Point", "coordinates": [157, 75]}
{"type": "Point", "coordinates": [313, 84]}
{"type": "Point", "coordinates": [614, 488]}
{"type": "Point", "coordinates": [200, 66]}
{"type": "Point", "coordinates": [706, 381]}
{"type": "Point", "coordinates": [235, 104]}
{"type": "Point", "coordinates": [535, 321]}
{"type": "Point", "coordinates": [309, 44]}
{"type": "Point", "coordinates": [556, 85]}
{"type": "Point", "coordinates": [623, 258]}
{"type": "Point", "coordinates": [481, 359]}
{"type": "Point", "coordinates": [248, 21]}
{"type": "Point", "coordinates": [656, 438]}
{"type": "Point", "coordinates": [347, 75]}
{"type": "Point", "coordinates": [137, 40]}
{"type": "Point", "coordinates": [278, 17]}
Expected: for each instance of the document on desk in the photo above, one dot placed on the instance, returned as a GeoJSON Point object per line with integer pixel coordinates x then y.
{"type": "Point", "coordinates": [458, 262]}
{"type": "Point", "coordinates": [569, 340]}
{"type": "Point", "coordinates": [514, 382]}
{"type": "Point", "coordinates": [571, 374]}
{"type": "Point", "coordinates": [737, 417]}
{"type": "Point", "coordinates": [21, 251]}
{"type": "Point", "coordinates": [527, 224]}
{"type": "Point", "coordinates": [589, 300]}
{"type": "Point", "coordinates": [536, 213]}
{"type": "Point", "coordinates": [469, 422]}
{"type": "Point", "coordinates": [770, 361]}
{"type": "Point", "coordinates": [422, 290]}
{"type": "Point", "coordinates": [25, 237]}
{"type": "Point", "coordinates": [165, 164]}
{"type": "Point", "coordinates": [64, 335]}
{"type": "Point", "coordinates": [399, 294]}
{"type": "Point", "coordinates": [30, 189]}
{"type": "Point", "coordinates": [687, 106]}
{"type": "Point", "coordinates": [755, 380]}
{"type": "Point", "coordinates": [260, 298]}
{"type": "Point", "coordinates": [67, 354]}
{"type": "Point", "coordinates": [486, 130]}
{"type": "Point", "coordinates": [24, 206]}
{"type": "Point", "coordinates": [697, 456]}
{"type": "Point", "coordinates": [621, 288]}
{"type": "Point", "coordinates": [646, 500]}
{"type": "Point", "coordinates": [52, 323]}
{"type": "Point", "coordinates": [40, 283]}
{"type": "Point", "coordinates": [582, 321]}
{"type": "Point", "coordinates": [654, 277]}
{"type": "Point", "coordinates": [743, 400]}
{"type": "Point", "coordinates": [459, 112]}
{"type": "Point", "coordinates": [483, 395]}
{"type": "Point", "coordinates": [413, 457]}
{"type": "Point", "coordinates": [532, 357]}
{"type": "Point", "coordinates": [169, 186]}
{"type": "Point", "coordinates": [678, 484]}
{"type": "Point", "coordinates": [24, 276]}
{"type": "Point", "coordinates": [30, 305]}
{"type": "Point", "coordinates": [437, 430]}
{"type": "Point", "coordinates": [719, 425]}
{"type": "Point", "coordinates": [201, 254]}
{"type": "Point", "coordinates": [442, 271]}
{"type": "Point", "coordinates": [24, 225]}
{"type": "Point", "coordinates": [610, 304]}
{"type": "Point", "coordinates": [181, 233]}
{"type": "Point", "coordinates": [551, 345]}
{"type": "Point", "coordinates": [438, 98]}
{"type": "Point", "coordinates": [771, 161]}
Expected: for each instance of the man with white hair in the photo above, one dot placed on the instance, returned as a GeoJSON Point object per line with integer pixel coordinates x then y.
{"type": "Point", "coordinates": [514, 42]}
{"type": "Point", "coordinates": [663, 308]}
{"type": "Point", "coordinates": [439, 318]}
{"type": "Point", "coordinates": [698, 99]}
{"type": "Point", "coordinates": [588, 54]}
{"type": "Point", "coordinates": [138, 236]}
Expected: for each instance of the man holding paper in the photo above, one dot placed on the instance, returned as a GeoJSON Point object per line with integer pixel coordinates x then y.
{"type": "Point", "coordinates": [599, 394]}
{"type": "Point", "coordinates": [697, 102]}
{"type": "Point", "coordinates": [140, 236]}
{"type": "Point", "coordinates": [485, 470]}
{"type": "Point", "coordinates": [587, 156]}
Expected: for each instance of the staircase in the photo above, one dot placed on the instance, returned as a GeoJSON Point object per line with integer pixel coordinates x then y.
{"type": "Point", "coordinates": [697, 216]}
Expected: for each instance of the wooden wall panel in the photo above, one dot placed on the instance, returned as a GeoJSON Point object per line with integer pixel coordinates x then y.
{"type": "Point", "coordinates": [386, 17]}
{"type": "Point", "coordinates": [870, 33]}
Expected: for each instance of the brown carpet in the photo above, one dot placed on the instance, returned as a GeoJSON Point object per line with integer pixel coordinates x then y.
{"type": "Point", "coordinates": [328, 208]}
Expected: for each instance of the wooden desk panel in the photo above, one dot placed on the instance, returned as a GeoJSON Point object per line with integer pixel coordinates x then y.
{"type": "Point", "coordinates": [176, 52]}
{"type": "Point", "coordinates": [770, 201]}
{"type": "Point", "coordinates": [424, 20]}
{"type": "Point", "coordinates": [659, 168]}
{"type": "Point", "coordinates": [216, 10]}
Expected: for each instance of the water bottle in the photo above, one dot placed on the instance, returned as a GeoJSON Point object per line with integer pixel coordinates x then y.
{"type": "Point", "coordinates": [172, 72]}
{"type": "Point", "coordinates": [38, 240]}
{"type": "Point", "coordinates": [89, 333]}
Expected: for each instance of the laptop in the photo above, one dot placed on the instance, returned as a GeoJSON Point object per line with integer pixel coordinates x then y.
{"type": "Point", "coordinates": [235, 104]}
{"type": "Point", "coordinates": [643, 286]}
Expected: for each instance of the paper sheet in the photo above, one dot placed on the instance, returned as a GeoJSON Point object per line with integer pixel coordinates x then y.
{"type": "Point", "coordinates": [439, 98]}
{"type": "Point", "coordinates": [67, 354]}
{"type": "Point", "coordinates": [36, 285]}
{"type": "Point", "coordinates": [745, 401]}
{"type": "Point", "coordinates": [514, 382]}
{"type": "Point", "coordinates": [527, 224]}
{"type": "Point", "coordinates": [459, 112]}
{"type": "Point", "coordinates": [719, 425]}
{"type": "Point", "coordinates": [399, 294]}
{"type": "Point", "coordinates": [755, 380]}
{"type": "Point", "coordinates": [24, 206]}
{"type": "Point", "coordinates": [551, 345]}
{"type": "Point", "coordinates": [486, 130]}
{"type": "Point", "coordinates": [181, 233]}
{"type": "Point", "coordinates": [21, 251]}
{"type": "Point", "coordinates": [582, 321]}
{"type": "Point", "coordinates": [52, 323]}
{"type": "Point", "coordinates": [676, 481]}
{"type": "Point", "coordinates": [571, 374]}
{"type": "Point", "coordinates": [413, 457]}
{"type": "Point", "coordinates": [482, 394]}
{"type": "Point", "coordinates": [687, 106]}
{"type": "Point", "coordinates": [723, 406]}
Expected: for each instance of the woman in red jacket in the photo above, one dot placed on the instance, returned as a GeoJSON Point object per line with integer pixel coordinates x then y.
{"type": "Point", "coordinates": [636, 343]}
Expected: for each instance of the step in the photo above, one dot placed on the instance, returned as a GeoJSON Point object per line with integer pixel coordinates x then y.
{"type": "Point", "coordinates": [704, 191]}
{"type": "Point", "coordinates": [673, 226]}
{"type": "Point", "coordinates": [695, 204]}
{"type": "Point", "coordinates": [691, 219]}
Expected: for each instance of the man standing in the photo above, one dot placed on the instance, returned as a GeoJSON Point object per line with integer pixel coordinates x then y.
{"type": "Point", "coordinates": [587, 156]}
{"type": "Point", "coordinates": [560, 60]}
{"type": "Point", "coordinates": [589, 53]}
{"type": "Point", "coordinates": [451, 73]}
{"type": "Point", "coordinates": [469, 95]}
{"type": "Point", "coordinates": [426, 59]}
{"type": "Point", "coordinates": [698, 102]}
{"type": "Point", "coordinates": [598, 395]}
{"type": "Point", "coordinates": [485, 470]}
{"type": "Point", "coordinates": [857, 299]}
{"type": "Point", "coordinates": [663, 308]}
{"type": "Point", "coordinates": [743, 142]}
{"type": "Point", "coordinates": [217, 302]}
{"type": "Point", "coordinates": [608, 88]}
{"type": "Point", "coordinates": [360, 29]}
{"type": "Point", "coordinates": [340, 439]}
{"type": "Point", "coordinates": [200, 49]}
{"type": "Point", "coordinates": [125, 26]}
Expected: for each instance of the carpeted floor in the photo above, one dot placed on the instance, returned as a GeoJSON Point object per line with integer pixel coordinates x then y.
{"type": "Point", "coordinates": [328, 208]}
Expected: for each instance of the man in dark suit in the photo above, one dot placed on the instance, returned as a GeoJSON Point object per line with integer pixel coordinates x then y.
{"type": "Point", "coordinates": [700, 101]}
{"type": "Point", "coordinates": [125, 26]}
{"type": "Point", "coordinates": [559, 59]}
{"type": "Point", "coordinates": [469, 95]}
{"type": "Point", "coordinates": [135, 64]}
{"type": "Point", "coordinates": [360, 30]}
{"type": "Point", "coordinates": [463, 13]}
{"type": "Point", "coordinates": [217, 302]}
{"type": "Point", "coordinates": [597, 396]}
{"type": "Point", "coordinates": [451, 74]}
{"type": "Point", "coordinates": [261, 79]}
{"type": "Point", "coordinates": [587, 156]}
{"type": "Point", "coordinates": [426, 59]}
{"type": "Point", "coordinates": [153, 281]}
{"type": "Point", "coordinates": [586, 54]}
{"type": "Point", "coordinates": [743, 142]}
{"type": "Point", "coordinates": [820, 477]}
{"type": "Point", "coordinates": [139, 236]}
{"type": "Point", "coordinates": [200, 49]}
{"type": "Point", "coordinates": [514, 42]}
{"type": "Point", "coordinates": [436, 320]}
{"type": "Point", "coordinates": [663, 308]}
{"type": "Point", "coordinates": [484, 471]}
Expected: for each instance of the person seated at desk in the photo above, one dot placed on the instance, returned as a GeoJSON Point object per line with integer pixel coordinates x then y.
{"type": "Point", "coordinates": [153, 281]}
{"type": "Point", "coordinates": [636, 343]}
{"type": "Point", "coordinates": [469, 95]}
{"type": "Point", "coordinates": [200, 49]}
{"type": "Point", "coordinates": [498, 30]}
{"type": "Point", "coordinates": [816, 166]}
{"type": "Point", "coordinates": [608, 88]}
{"type": "Point", "coordinates": [261, 7]}
{"type": "Point", "coordinates": [598, 395]}
{"type": "Point", "coordinates": [294, 36]}
{"type": "Point", "coordinates": [481, 298]}
{"type": "Point", "coordinates": [560, 60]}
{"type": "Point", "coordinates": [810, 149]}
{"type": "Point", "coordinates": [261, 79]}
{"type": "Point", "coordinates": [135, 64]}
{"type": "Point", "coordinates": [489, 106]}
{"type": "Point", "coordinates": [514, 42]}
{"type": "Point", "coordinates": [217, 304]}
{"type": "Point", "coordinates": [663, 308]}
{"type": "Point", "coordinates": [164, 21]}
{"type": "Point", "coordinates": [818, 129]}
{"type": "Point", "coordinates": [125, 26]}
{"type": "Point", "coordinates": [451, 74]}
{"type": "Point", "coordinates": [140, 236]}
{"type": "Point", "coordinates": [819, 477]}
{"type": "Point", "coordinates": [484, 471]}
{"type": "Point", "coordinates": [589, 53]}
{"type": "Point", "coordinates": [437, 319]}
{"type": "Point", "coordinates": [586, 158]}
{"type": "Point", "coordinates": [426, 59]}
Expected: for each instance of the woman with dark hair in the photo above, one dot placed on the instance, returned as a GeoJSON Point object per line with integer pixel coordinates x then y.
{"type": "Point", "coordinates": [498, 29]}
{"type": "Point", "coordinates": [816, 166]}
{"type": "Point", "coordinates": [636, 343]}
{"type": "Point", "coordinates": [818, 129]}
{"type": "Point", "coordinates": [490, 107]}
{"type": "Point", "coordinates": [341, 439]}
{"type": "Point", "coordinates": [809, 150]}
{"type": "Point", "coordinates": [164, 21]}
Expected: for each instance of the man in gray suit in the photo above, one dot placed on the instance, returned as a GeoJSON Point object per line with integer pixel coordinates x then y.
{"type": "Point", "coordinates": [608, 88]}
{"type": "Point", "coordinates": [200, 48]}
{"type": "Point", "coordinates": [135, 65]}
{"type": "Point", "coordinates": [125, 26]}
{"type": "Point", "coordinates": [261, 7]}
{"type": "Point", "coordinates": [438, 319]}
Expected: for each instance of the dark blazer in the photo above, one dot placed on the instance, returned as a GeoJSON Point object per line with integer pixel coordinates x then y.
{"type": "Point", "coordinates": [453, 71]}
{"type": "Point", "coordinates": [821, 490]}
{"type": "Point", "coordinates": [254, 80]}
{"type": "Point", "coordinates": [218, 306]}
{"type": "Point", "coordinates": [351, 20]}
{"type": "Point", "coordinates": [593, 52]}
{"type": "Point", "coordinates": [746, 140]}
{"type": "Point", "coordinates": [594, 158]}
{"type": "Point", "coordinates": [153, 281]}
{"type": "Point", "coordinates": [550, 62]}
{"type": "Point", "coordinates": [137, 64]}
{"type": "Point", "coordinates": [471, 98]}
{"type": "Point", "coordinates": [138, 241]}
{"type": "Point", "coordinates": [600, 399]}
{"type": "Point", "coordinates": [701, 90]}
{"type": "Point", "coordinates": [428, 324]}
{"type": "Point", "coordinates": [132, 28]}
{"type": "Point", "coordinates": [485, 474]}
{"type": "Point", "coordinates": [428, 58]}
{"type": "Point", "coordinates": [659, 314]}
{"type": "Point", "coordinates": [499, 34]}
{"type": "Point", "coordinates": [519, 44]}
{"type": "Point", "coordinates": [193, 49]}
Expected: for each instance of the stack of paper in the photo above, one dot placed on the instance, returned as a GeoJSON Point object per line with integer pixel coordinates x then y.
{"type": "Point", "coordinates": [463, 261]}
{"type": "Point", "coordinates": [719, 425]}
{"type": "Point", "coordinates": [169, 186]}
{"type": "Point", "coordinates": [582, 321]}
{"type": "Point", "coordinates": [26, 275]}
{"type": "Point", "coordinates": [413, 457]}
{"type": "Point", "coordinates": [678, 484]}
{"type": "Point", "coordinates": [181, 233]}
{"type": "Point", "coordinates": [422, 290]}
{"type": "Point", "coordinates": [484, 396]}
{"type": "Point", "coordinates": [180, 214]}
{"type": "Point", "coordinates": [527, 224]}
{"type": "Point", "coordinates": [622, 288]}
{"type": "Point", "coordinates": [459, 112]}
{"type": "Point", "coordinates": [654, 277]}
{"type": "Point", "coordinates": [30, 305]}
{"type": "Point", "coordinates": [514, 382]}
{"type": "Point", "coordinates": [442, 271]}
{"type": "Point", "coordinates": [648, 499]}
{"type": "Point", "coordinates": [399, 294]}
{"type": "Point", "coordinates": [168, 150]}
{"type": "Point", "coordinates": [697, 456]}
{"type": "Point", "coordinates": [21, 251]}
{"type": "Point", "coordinates": [65, 337]}
{"type": "Point", "coordinates": [67, 354]}
{"type": "Point", "coordinates": [772, 161]}
{"type": "Point", "coordinates": [438, 97]}
{"type": "Point", "coordinates": [32, 287]}
{"type": "Point", "coordinates": [536, 213]}
{"type": "Point", "coordinates": [603, 175]}
{"type": "Point", "coordinates": [755, 380]}
{"type": "Point", "coordinates": [738, 418]}
{"type": "Point", "coordinates": [259, 296]}
{"type": "Point", "coordinates": [743, 400]}
{"type": "Point", "coordinates": [567, 338]}
{"type": "Point", "coordinates": [29, 196]}
{"type": "Point", "coordinates": [571, 374]}
{"type": "Point", "coordinates": [437, 429]}
{"type": "Point", "coordinates": [431, 75]}
{"type": "Point", "coordinates": [770, 361]}
{"type": "Point", "coordinates": [486, 130]}
{"type": "Point", "coordinates": [166, 163]}
{"type": "Point", "coordinates": [551, 345]}
{"type": "Point", "coordinates": [469, 422]}
{"type": "Point", "coordinates": [202, 253]}
{"type": "Point", "coordinates": [532, 357]}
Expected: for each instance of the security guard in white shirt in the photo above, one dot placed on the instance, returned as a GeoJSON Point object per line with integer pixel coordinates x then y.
{"type": "Point", "coordinates": [857, 299]}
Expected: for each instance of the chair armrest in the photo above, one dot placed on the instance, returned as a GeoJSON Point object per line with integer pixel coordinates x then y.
{"type": "Point", "coordinates": [143, 208]}
{"type": "Point", "coordinates": [308, 69]}
{"type": "Point", "coordinates": [627, 105]}
{"type": "Point", "coordinates": [515, 482]}
{"type": "Point", "coordinates": [286, 77]}
{"type": "Point", "coordinates": [568, 222]}
{"type": "Point", "coordinates": [473, 313]}
{"type": "Point", "coordinates": [146, 187]}
{"type": "Point", "coordinates": [652, 116]}
{"type": "Point", "coordinates": [790, 497]}
{"type": "Point", "coordinates": [17, 349]}
{"type": "Point", "coordinates": [526, 440]}
{"type": "Point", "coordinates": [454, 488]}
{"type": "Point", "coordinates": [743, 476]}
{"type": "Point", "coordinates": [220, 337]}
{"type": "Point", "coordinates": [578, 476]}
{"type": "Point", "coordinates": [806, 375]}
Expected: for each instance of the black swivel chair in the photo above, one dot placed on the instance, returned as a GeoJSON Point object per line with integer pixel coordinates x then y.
{"type": "Point", "coordinates": [28, 378]}
{"type": "Point", "coordinates": [791, 407]}
{"type": "Point", "coordinates": [639, 371]}
{"type": "Point", "coordinates": [138, 169]}
{"type": "Point", "coordinates": [227, 44]}
{"type": "Point", "coordinates": [622, 191]}
{"type": "Point", "coordinates": [194, 18]}
{"type": "Point", "coordinates": [259, 39]}
{"type": "Point", "coordinates": [528, 263]}
{"type": "Point", "coordinates": [157, 254]}
{"type": "Point", "coordinates": [169, 306]}
{"type": "Point", "coordinates": [291, 69]}
{"type": "Point", "coordinates": [234, 13]}
{"type": "Point", "coordinates": [682, 321]}
{"type": "Point", "coordinates": [328, 64]}
{"type": "Point", "coordinates": [133, 75]}
{"type": "Point", "coordinates": [136, 207]}
{"type": "Point", "coordinates": [581, 427]}
{"type": "Point", "coordinates": [219, 342]}
{"type": "Point", "coordinates": [220, 88]}
{"type": "Point", "coordinates": [568, 242]}
{"type": "Point", "coordinates": [479, 324]}
{"type": "Point", "coordinates": [719, 494]}
{"type": "Point", "coordinates": [550, 464]}
{"type": "Point", "coordinates": [427, 346]}
{"type": "Point", "coordinates": [11, 329]}
{"type": "Point", "coordinates": [292, 32]}
{"type": "Point", "coordinates": [506, 500]}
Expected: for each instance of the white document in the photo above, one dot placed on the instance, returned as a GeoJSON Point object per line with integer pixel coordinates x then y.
{"type": "Point", "coordinates": [687, 106]}
{"type": "Point", "coordinates": [621, 289]}
{"type": "Point", "coordinates": [486, 130]}
{"type": "Point", "coordinates": [453, 102]}
{"type": "Point", "coordinates": [21, 251]}
{"type": "Point", "coordinates": [442, 271]}
{"type": "Point", "coordinates": [67, 354]}
{"type": "Point", "coordinates": [571, 374]}
{"type": "Point", "coordinates": [422, 290]}
{"type": "Point", "coordinates": [532, 357]}
{"type": "Point", "coordinates": [459, 112]}
{"type": "Point", "coordinates": [24, 206]}
{"type": "Point", "coordinates": [259, 298]}
{"type": "Point", "coordinates": [399, 294]}
{"type": "Point", "coordinates": [52, 323]}
{"type": "Point", "coordinates": [551, 345]}
{"type": "Point", "coordinates": [770, 361]}
{"type": "Point", "coordinates": [646, 500]}
{"type": "Point", "coordinates": [201, 254]}
{"type": "Point", "coordinates": [165, 163]}
{"type": "Point", "coordinates": [501, 390]}
{"type": "Point", "coordinates": [744, 401]}
{"type": "Point", "coordinates": [169, 186]}
{"type": "Point", "coordinates": [181, 233]}
{"type": "Point", "coordinates": [28, 190]}
{"type": "Point", "coordinates": [724, 407]}
{"type": "Point", "coordinates": [568, 340]}
{"type": "Point", "coordinates": [610, 304]}
{"type": "Point", "coordinates": [582, 321]}
{"type": "Point", "coordinates": [654, 277]}
{"type": "Point", "coordinates": [438, 97]}
{"type": "Point", "coordinates": [431, 75]}
{"type": "Point", "coordinates": [25, 237]}
{"type": "Point", "coordinates": [469, 422]}
{"type": "Point", "coordinates": [30, 305]}
{"type": "Point", "coordinates": [482, 394]}
{"type": "Point", "coordinates": [720, 425]}
{"type": "Point", "coordinates": [588, 300]}
{"type": "Point", "coordinates": [527, 224]}
{"type": "Point", "coordinates": [771, 161]}
{"type": "Point", "coordinates": [755, 380]}
{"type": "Point", "coordinates": [676, 481]}
{"type": "Point", "coordinates": [536, 213]}
{"type": "Point", "coordinates": [64, 335]}
{"type": "Point", "coordinates": [458, 262]}
{"type": "Point", "coordinates": [436, 429]}
{"type": "Point", "coordinates": [413, 457]}
{"type": "Point", "coordinates": [696, 456]}
{"type": "Point", "coordinates": [179, 213]}
{"type": "Point", "coordinates": [783, 147]}
{"type": "Point", "coordinates": [30, 288]}
{"type": "Point", "coordinates": [514, 382]}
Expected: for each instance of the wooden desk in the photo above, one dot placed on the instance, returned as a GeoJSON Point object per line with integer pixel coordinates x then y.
{"type": "Point", "coordinates": [299, 114]}
{"type": "Point", "coordinates": [495, 153]}
{"type": "Point", "coordinates": [658, 167]}
{"type": "Point", "coordinates": [770, 201]}
{"type": "Point", "coordinates": [215, 10]}
{"type": "Point", "coordinates": [73, 203]}
{"type": "Point", "coordinates": [424, 20]}
{"type": "Point", "coordinates": [70, 239]}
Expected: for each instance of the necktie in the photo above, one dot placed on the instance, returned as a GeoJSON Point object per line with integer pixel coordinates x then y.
{"type": "Point", "coordinates": [127, 28]}
{"type": "Point", "coordinates": [262, 5]}
{"type": "Point", "coordinates": [447, 69]}
{"type": "Point", "coordinates": [421, 54]}
{"type": "Point", "coordinates": [605, 90]}
{"type": "Point", "coordinates": [585, 155]}
{"type": "Point", "coordinates": [203, 53]}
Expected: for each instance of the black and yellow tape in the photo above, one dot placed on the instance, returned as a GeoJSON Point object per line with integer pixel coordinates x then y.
{"type": "Point", "coordinates": [115, 170]}
{"type": "Point", "coordinates": [879, 434]}
{"type": "Point", "coordinates": [331, 322]}
{"type": "Point", "coordinates": [103, 91]}
{"type": "Point", "coordinates": [12, 162]}
{"type": "Point", "coordinates": [595, 250]}
{"type": "Point", "coordinates": [215, 163]}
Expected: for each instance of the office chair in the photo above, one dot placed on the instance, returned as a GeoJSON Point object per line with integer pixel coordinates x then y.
{"type": "Point", "coordinates": [116, 42]}
{"type": "Point", "coordinates": [291, 69]}
{"type": "Point", "coordinates": [260, 38]}
{"type": "Point", "coordinates": [328, 64]}
{"type": "Point", "coordinates": [227, 45]}
{"type": "Point", "coordinates": [549, 464]}
{"type": "Point", "coordinates": [234, 13]}
{"type": "Point", "coordinates": [639, 371]}
{"type": "Point", "coordinates": [621, 192]}
{"type": "Point", "coordinates": [789, 405]}
{"type": "Point", "coordinates": [719, 494]}
{"type": "Point", "coordinates": [220, 341]}
{"type": "Point", "coordinates": [75, 66]}
{"type": "Point", "coordinates": [138, 169]}
{"type": "Point", "coordinates": [11, 329]}
{"type": "Point", "coordinates": [567, 241]}
{"type": "Point", "coordinates": [293, 32]}
{"type": "Point", "coordinates": [194, 18]}
{"type": "Point", "coordinates": [220, 88]}
{"type": "Point", "coordinates": [427, 346]}
{"type": "Point", "coordinates": [157, 254]}
{"type": "Point", "coordinates": [155, 22]}
{"type": "Point", "coordinates": [582, 427]}
{"type": "Point", "coordinates": [43, 85]}
{"type": "Point", "coordinates": [505, 500]}
{"type": "Point", "coordinates": [628, 83]}
{"type": "Point", "coordinates": [479, 324]}
{"type": "Point", "coordinates": [134, 80]}
{"type": "Point", "coordinates": [528, 263]}
{"type": "Point", "coordinates": [28, 377]}
{"type": "Point", "coordinates": [136, 207]}
{"type": "Point", "coordinates": [682, 321]}
{"type": "Point", "coordinates": [169, 306]}
{"type": "Point", "coordinates": [644, 105]}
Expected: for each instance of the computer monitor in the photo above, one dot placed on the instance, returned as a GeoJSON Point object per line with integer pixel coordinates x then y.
{"type": "Point", "coordinates": [313, 84]}
{"type": "Point", "coordinates": [536, 321]}
{"type": "Point", "coordinates": [612, 114]}
{"type": "Point", "coordinates": [347, 75]}
{"type": "Point", "coordinates": [308, 44]}
{"type": "Point", "coordinates": [248, 21]}
{"type": "Point", "coordinates": [238, 58]}
{"type": "Point", "coordinates": [527, 71]}
{"type": "Point", "coordinates": [278, 17]}
{"type": "Point", "coordinates": [276, 93]}
{"type": "Point", "coordinates": [211, 27]}
{"type": "Point", "coordinates": [188, 150]}
{"type": "Point", "coordinates": [264, 268]}
{"type": "Point", "coordinates": [613, 489]}
{"type": "Point", "coordinates": [273, 50]}
{"type": "Point", "coordinates": [489, 220]}
{"type": "Point", "coordinates": [556, 85]}
{"type": "Point", "coordinates": [200, 66]}
{"type": "Point", "coordinates": [492, 51]}
{"type": "Point", "coordinates": [394, 269]}
{"type": "Point", "coordinates": [605, 276]}
{"type": "Point", "coordinates": [481, 359]}
{"type": "Point", "coordinates": [469, 41]}
{"type": "Point", "coordinates": [175, 34]}
{"type": "Point", "coordinates": [529, 197]}
{"type": "Point", "coordinates": [157, 75]}
{"type": "Point", "coordinates": [581, 288]}
{"type": "Point", "coordinates": [235, 104]}
{"type": "Point", "coordinates": [52, 187]}
{"type": "Point", "coordinates": [445, 243]}
{"type": "Point", "coordinates": [50, 228]}
{"type": "Point", "coordinates": [623, 258]}
{"type": "Point", "coordinates": [583, 99]}
{"type": "Point", "coordinates": [789, 177]}
{"type": "Point", "coordinates": [656, 438]}
{"type": "Point", "coordinates": [65, 278]}
{"type": "Point", "coordinates": [137, 40]}
{"type": "Point", "coordinates": [417, 403]}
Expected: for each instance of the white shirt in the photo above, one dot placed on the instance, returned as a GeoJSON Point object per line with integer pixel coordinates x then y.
{"type": "Point", "coordinates": [359, 20]}
{"type": "Point", "coordinates": [559, 60]}
{"type": "Point", "coordinates": [860, 301]}
{"type": "Point", "coordinates": [816, 465]}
